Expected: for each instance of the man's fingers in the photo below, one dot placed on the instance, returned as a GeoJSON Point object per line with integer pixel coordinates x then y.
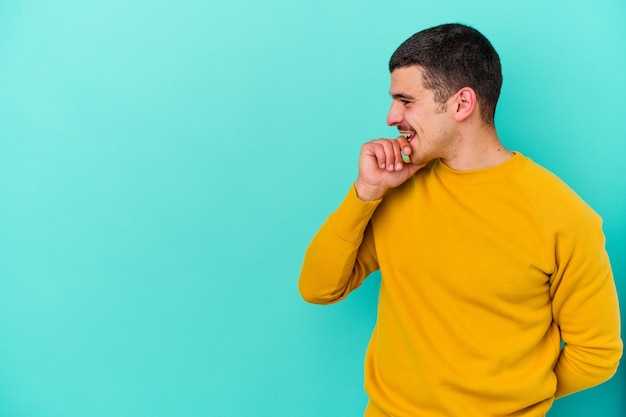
{"type": "Point", "coordinates": [388, 154]}
{"type": "Point", "coordinates": [405, 145]}
{"type": "Point", "coordinates": [375, 149]}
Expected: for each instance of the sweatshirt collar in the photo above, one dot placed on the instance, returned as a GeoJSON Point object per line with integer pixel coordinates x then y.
{"type": "Point", "coordinates": [493, 173]}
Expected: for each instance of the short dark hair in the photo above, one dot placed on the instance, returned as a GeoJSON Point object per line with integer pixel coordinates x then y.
{"type": "Point", "coordinates": [454, 56]}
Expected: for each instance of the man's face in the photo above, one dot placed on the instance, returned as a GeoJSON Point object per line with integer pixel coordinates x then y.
{"type": "Point", "coordinates": [416, 115]}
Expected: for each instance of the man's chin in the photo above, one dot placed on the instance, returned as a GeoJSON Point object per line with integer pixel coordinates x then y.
{"type": "Point", "coordinates": [419, 160]}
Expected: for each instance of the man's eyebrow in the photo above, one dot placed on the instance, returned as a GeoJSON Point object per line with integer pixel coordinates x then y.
{"type": "Point", "coordinates": [402, 96]}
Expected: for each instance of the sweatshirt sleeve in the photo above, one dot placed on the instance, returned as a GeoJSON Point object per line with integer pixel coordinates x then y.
{"type": "Point", "coordinates": [342, 253]}
{"type": "Point", "coordinates": [586, 309]}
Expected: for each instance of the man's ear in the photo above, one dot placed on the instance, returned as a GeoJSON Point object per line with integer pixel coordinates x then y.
{"type": "Point", "coordinates": [466, 103]}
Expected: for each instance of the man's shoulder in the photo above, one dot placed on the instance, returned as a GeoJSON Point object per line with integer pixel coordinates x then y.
{"type": "Point", "coordinates": [537, 178]}
{"type": "Point", "coordinates": [548, 191]}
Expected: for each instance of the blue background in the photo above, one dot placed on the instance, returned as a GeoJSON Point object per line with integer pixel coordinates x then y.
{"type": "Point", "coordinates": [163, 166]}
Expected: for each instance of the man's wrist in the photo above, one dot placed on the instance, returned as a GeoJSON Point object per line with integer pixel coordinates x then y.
{"type": "Point", "coordinates": [368, 192]}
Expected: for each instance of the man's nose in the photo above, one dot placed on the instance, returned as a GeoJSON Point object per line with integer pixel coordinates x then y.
{"type": "Point", "coordinates": [394, 117]}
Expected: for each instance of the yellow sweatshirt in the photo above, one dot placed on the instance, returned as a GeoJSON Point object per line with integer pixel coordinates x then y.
{"type": "Point", "coordinates": [484, 273]}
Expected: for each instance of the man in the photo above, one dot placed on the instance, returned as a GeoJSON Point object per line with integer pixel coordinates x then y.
{"type": "Point", "coordinates": [488, 261]}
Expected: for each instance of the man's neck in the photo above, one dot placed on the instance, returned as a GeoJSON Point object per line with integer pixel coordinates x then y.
{"type": "Point", "coordinates": [477, 149]}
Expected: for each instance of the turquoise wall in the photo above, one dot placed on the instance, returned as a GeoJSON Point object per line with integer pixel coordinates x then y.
{"type": "Point", "coordinates": [163, 166]}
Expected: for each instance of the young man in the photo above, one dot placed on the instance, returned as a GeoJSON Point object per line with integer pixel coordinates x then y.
{"type": "Point", "coordinates": [488, 261]}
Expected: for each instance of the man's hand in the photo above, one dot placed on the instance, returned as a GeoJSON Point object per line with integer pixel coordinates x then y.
{"type": "Point", "coordinates": [381, 167]}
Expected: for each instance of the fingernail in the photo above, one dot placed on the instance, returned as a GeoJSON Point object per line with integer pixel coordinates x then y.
{"type": "Point", "coordinates": [399, 166]}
